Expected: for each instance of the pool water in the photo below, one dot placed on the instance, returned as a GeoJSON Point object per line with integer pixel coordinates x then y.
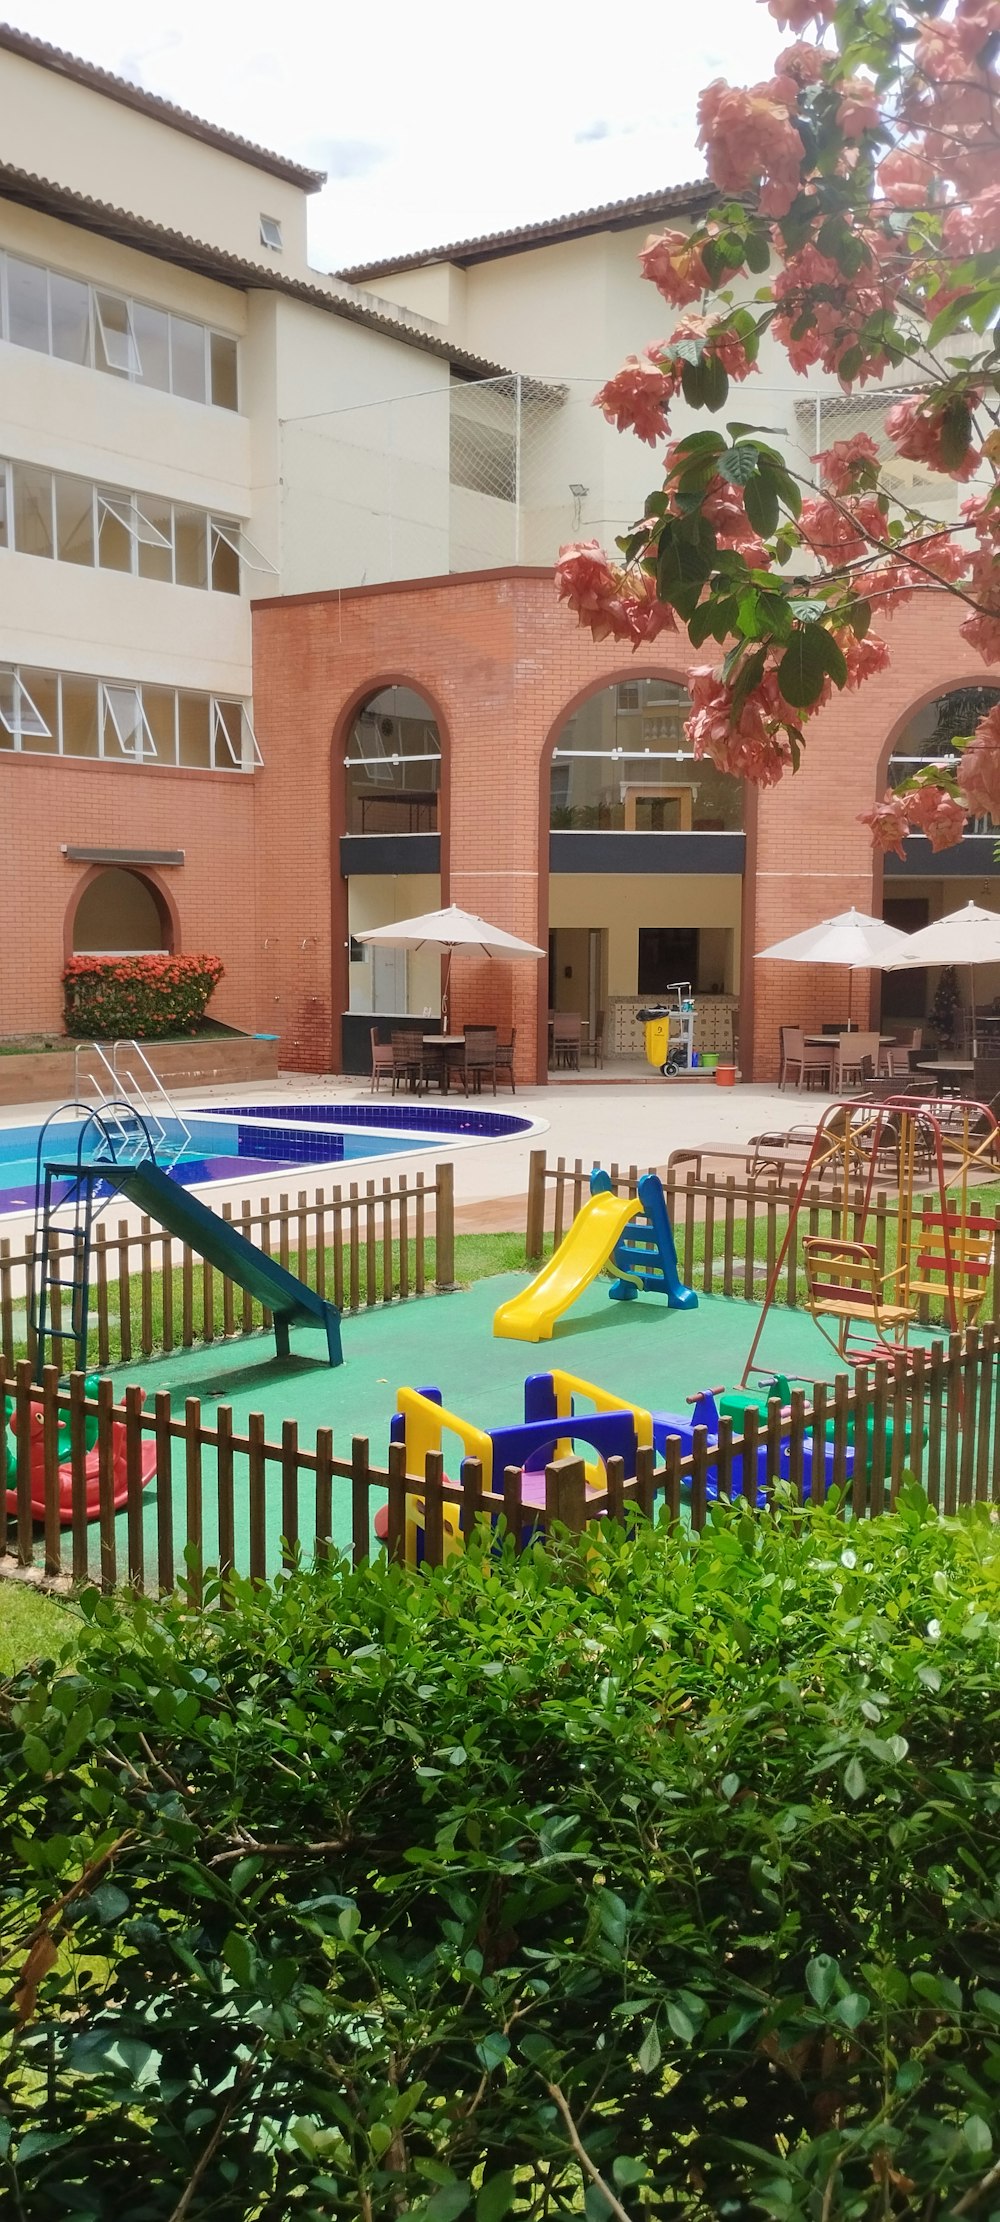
{"type": "Point", "coordinates": [241, 1139]}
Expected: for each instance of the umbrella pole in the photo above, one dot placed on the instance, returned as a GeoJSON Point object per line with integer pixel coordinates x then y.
{"type": "Point", "coordinates": [445, 990]}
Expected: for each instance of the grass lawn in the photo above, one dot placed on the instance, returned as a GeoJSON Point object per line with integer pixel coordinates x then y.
{"type": "Point", "coordinates": [32, 1626]}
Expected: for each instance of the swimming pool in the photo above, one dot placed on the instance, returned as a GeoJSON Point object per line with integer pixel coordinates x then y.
{"type": "Point", "coordinates": [242, 1139]}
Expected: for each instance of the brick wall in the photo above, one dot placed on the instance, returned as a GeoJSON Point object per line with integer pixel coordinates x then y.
{"type": "Point", "coordinates": [501, 664]}
{"type": "Point", "coordinates": [45, 807]}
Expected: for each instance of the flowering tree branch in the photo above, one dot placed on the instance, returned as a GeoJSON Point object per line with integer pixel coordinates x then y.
{"type": "Point", "coordinates": [860, 185]}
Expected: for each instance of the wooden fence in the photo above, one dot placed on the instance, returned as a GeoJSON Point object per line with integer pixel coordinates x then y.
{"type": "Point", "coordinates": [729, 1228]}
{"type": "Point", "coordinates": [151, 1295]}
{"type": "Point", "coordinates": [216, 1497]}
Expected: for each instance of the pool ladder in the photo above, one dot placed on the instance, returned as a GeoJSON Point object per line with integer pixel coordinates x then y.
{"type": "Point", "coordinates": [133, 1096]}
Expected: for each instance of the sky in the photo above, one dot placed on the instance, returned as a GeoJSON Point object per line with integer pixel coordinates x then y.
{"type": "Point", "coordinates": [435, 119]}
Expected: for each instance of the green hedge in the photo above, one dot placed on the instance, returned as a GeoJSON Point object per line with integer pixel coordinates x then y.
{"type": "Point", "coordinates": [139, 998]}
{"type": "Point", "coordinates": [663, 1865]}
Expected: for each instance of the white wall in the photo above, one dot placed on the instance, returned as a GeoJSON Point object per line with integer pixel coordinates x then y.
{"type": "Point", "coordinates": [58, 129]}
{"type": "Point", "coordinates": [375, 899]}
{"type": "Point", "coordinates": [625, 902]}
{"type": "Point", "coordinates": [364, 453]}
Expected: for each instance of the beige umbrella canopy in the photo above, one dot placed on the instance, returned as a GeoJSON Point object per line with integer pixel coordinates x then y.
{"type": "Point", "coordinates": [861, 943]}
{"type": "Point", "coordinates": [450, 929]}
{"type": "Point", "coordinates": [851, 939]}
{"type": "Point", "coordinates": [968, 937]}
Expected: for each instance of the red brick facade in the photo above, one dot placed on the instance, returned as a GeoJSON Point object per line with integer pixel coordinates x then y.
{"type": "Point", "coordinates": [500, 663]}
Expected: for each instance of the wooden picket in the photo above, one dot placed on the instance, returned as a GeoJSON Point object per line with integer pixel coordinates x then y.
{"type": "Point", "coordinates": [150, 1295]}
{"type": "Point", "coordinates": [66, 1514]}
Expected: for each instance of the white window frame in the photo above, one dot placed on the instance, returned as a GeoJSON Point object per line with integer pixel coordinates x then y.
{"type": "Point", "coordinates": [222, 739]}
{"type": "Point", "coordinates": [246, 550]}
{"type": "Point", "coordinates": [270, 232]}
{"type": "Point", "coordinates": [136, 754]}
{"type": "Point", "coordinates": [6, 503]}
{"type": "Point", "coordinates": [124, 507]}
{"type": "Point", "coordinates": [133, 367]}
{"type": "Point", "coordinates": [16, 725]}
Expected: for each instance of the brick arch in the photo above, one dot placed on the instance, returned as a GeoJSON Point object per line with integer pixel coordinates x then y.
{"type": "Point", "coordinates": [362, 692]}
{"type": "Point", "coordinates": [162, 895]}
{"type": "Point", "coordinates": [356, 702]}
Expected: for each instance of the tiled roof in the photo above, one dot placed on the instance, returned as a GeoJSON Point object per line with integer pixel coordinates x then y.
{"type": "Point", "coordinates": [151, 104]}
{"type": "Point", "coordinates": [129, 230]}
{"type": "Point", "coordinates": [611, 216]}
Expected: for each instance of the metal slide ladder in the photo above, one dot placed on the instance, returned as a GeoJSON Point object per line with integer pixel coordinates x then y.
{"type": "Point", "coordinates": [66, 1208]}
{"type": "Point", "coordinates": [135, 1106]}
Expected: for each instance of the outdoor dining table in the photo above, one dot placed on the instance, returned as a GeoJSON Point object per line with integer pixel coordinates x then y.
{"type": "Point", "coordinates": [449, 1046]}
{"type": "Point", "coordinates": [947, 1071]}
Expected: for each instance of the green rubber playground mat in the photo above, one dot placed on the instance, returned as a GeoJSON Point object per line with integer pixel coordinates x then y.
{"type": "Point", "coordinates": [641, 1351]}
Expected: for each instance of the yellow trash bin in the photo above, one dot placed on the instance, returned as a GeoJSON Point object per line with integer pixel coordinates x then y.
{"type": "Point", "coordinates": [656, 1021]}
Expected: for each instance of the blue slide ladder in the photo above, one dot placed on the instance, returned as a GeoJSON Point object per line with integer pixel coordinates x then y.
{"type": "Point", "coordinates": [646, 1256]}
{"type": "Point", "coordinates": [67, 1187]}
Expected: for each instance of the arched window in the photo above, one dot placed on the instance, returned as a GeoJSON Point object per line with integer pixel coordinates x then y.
{"type": "Point", "coordinates": [931, 735]}
{"type": "Point", "coordinates": [120, 913]}
{"type": "Point", "coordinates": [622, 762]}
{"type": "Point", "coordinates": [393, 765]}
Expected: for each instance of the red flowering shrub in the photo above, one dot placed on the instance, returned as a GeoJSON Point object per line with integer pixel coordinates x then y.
{"type": "Point", "coordinates": [140, 998]}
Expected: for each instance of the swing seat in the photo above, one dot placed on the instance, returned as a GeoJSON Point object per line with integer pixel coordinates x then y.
{"type": "Point", "coordinates": [954, 1261]}
{"type": "Point", "coordinates": [844, 1283]}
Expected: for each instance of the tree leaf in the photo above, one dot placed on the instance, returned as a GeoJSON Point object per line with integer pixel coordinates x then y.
{"type": "Point", "coordinates": [855, 1779]}
{"type": "Point", "coordinates": [852, 2009]}
{"type": "Point", "coordinates": [977, 2134]}
{"type": "Point", "coordinates": [738, 464]}
{"type": "Point", "coordinates": [445, 2204]}
{"type": "Point", "coordinates": [492, 2050]}
{"type": "Point", "coordinates": [821, 1978]}
{"type": "Point", "coordinates": [496, 2197]}
{"type": "Point", "coordinates": [680, 2022]}
{"type": "Point", "coordinates": [761, 502]}
{"type": "Point", "coordinates": [650, 2051]}
{"type": "Point", "coordinates": [811, 657]}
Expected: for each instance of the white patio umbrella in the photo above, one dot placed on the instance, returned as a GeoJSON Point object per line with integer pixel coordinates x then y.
{"type": "Point", "coordinates": [450, 929]}
{"type": "Point", "coordinates": [965, 937]}
{"type": "Point", "coordinates": [852, 939]}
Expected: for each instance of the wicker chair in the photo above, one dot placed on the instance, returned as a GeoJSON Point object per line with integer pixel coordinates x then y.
{"type": "Point", "coordinates": [383, 1067]}
{"type": "Point", "coordinates": [479, 1058]}
{"type": "Point", "coordinates": [504, 1061]}
{"type": "Point", "coordinates": [407, 1060]}
{"type": "Point", "coordinates": [567, 1038]}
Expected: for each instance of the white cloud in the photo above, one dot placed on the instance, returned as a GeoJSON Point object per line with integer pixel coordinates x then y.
{"type": "Point", "coordinates": [439, 122]}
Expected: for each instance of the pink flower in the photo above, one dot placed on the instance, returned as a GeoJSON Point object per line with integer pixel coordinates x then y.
{"type": "Point", "coordinates": [865, 658]}
{"type": "Point", "coordinates": [858, 109]}
{"type": "Point", "coordinates": [723, 508]}
{"type": "Point", "coordinates": [751, 746]}
{"type": "Point", "coordinates": [979, 770]}
{"type": "Point", "coordinates": [916, 429]}
{"type": "Point", "coordinates": [906, 179]}
{"type": "Point", "coordinates": [888, 822]}
{"type": "Point", "coordinates": [719, 340]}
{"type": "Point", "coordinates": [674, 265]}
{"type": "Point", "coordinates": [982, 629]}
{"type": "Point", "coordinates": [842, 532]}
{"type": "Point", "coordinates": [842, 464]}
{"type": "Point", "coordinates": [976, 22]}
{"type": "Point", "coordinates": [802, 63]}
{"type": "Point", "coordinates": [748, 137]}
{"type": "Point", "coordinates": [932, 811]}
{"type": "Point", "coordinates": [975, 228]}
{"type": "Point", "coordinates": [942, 554]}
{"type": "Point", "coordinates": [797, 15]}
{"type": "Point", "coordinates": [584, 577]}
{"type": "Point", "coordinates": [634, 398]}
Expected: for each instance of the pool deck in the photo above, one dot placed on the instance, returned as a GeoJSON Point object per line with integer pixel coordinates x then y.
{"type": "Point", "coordinates": [639, 1124]}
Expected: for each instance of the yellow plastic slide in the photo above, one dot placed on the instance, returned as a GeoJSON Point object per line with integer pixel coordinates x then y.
{"type": "Point", "coordinates": [530, 1317]}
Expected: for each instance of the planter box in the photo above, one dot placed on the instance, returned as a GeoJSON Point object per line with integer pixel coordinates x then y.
{"type": "Point", "coordinates": [48, 1076]}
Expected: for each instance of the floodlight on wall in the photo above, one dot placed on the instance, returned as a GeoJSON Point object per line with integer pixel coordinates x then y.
{"type": "Point", "coordinates": [579, 494]}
